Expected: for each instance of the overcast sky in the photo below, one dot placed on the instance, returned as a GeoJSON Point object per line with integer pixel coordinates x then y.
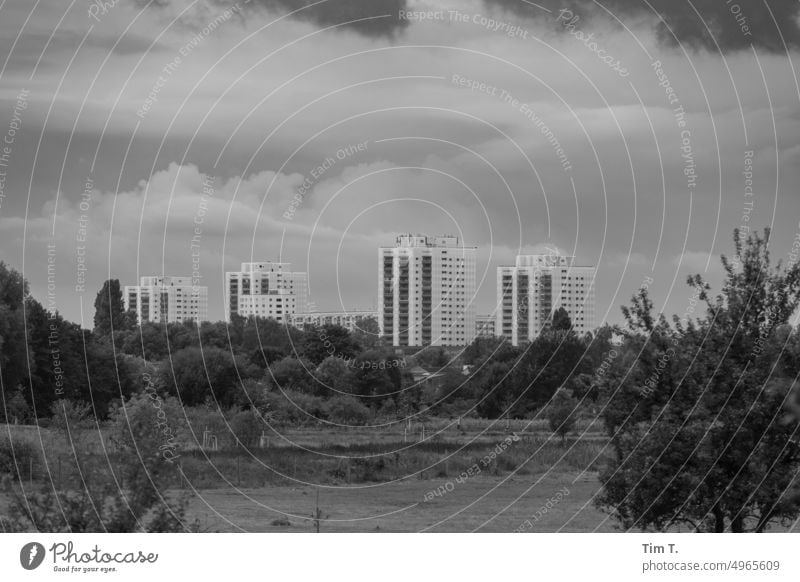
{"type": "Point", "coordinates": [259, 100]}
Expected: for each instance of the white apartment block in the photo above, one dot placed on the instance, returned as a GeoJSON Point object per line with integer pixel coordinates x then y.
{"type": "Point", "coordinates": [426, 288]}
{"type": "Point", "coordinates": [485, 326]}
{"type": "Point", "coordinates": [167, 300]}
{"type": "Point", "coordinates": [350, 320]}
{"type": "Point", "coordinates": [268, 290]}
{"type": "Point", "coordinates": [532, 290]}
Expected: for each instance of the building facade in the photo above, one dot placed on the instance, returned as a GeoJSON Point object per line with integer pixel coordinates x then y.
{"type": "Point", "coordinates": [268, 290]}
{"type": "Point", "coordinates": [485, 326]}
{"type": "Point", "coordinates": [351, 320]}
{"type": "Point", "coordinates": [167, 300]}
{"type": "Point", "coordinates": [532, 290]}
{"type": "Point", "coordinates": [426, 288]}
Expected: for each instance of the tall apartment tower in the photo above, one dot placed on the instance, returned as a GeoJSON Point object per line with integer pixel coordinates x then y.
{"type": "Point", "coordinates": [269, 290]}
{"type": "Point", "coordinates": [426, 288]}
{"type": "Point", "coordinates": [532, 290]}
{"type": "Point", "coordinates": [167, 300]}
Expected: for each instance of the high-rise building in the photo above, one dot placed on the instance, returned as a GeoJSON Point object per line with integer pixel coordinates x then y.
{"type": "Point", "coordinates": [532, 290]}
{"type": "Point", "coordinates": [269, 290]}
{"type": "Point", "coordinates": [485, 326]}
{"type": "Point", "coordinates": [167, 300]}
{"type": "Point", "coordinates": [426, 291]}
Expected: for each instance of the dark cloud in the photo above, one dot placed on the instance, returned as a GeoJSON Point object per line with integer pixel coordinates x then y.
{"type": "Point", "coordinates": [368, 17]}
{"type": "Point", "coordinates": [720, 22]}
{"type": "Point", "coordinates": [383, 15]}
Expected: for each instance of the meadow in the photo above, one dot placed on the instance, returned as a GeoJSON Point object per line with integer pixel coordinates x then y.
{"type": "Point", "coordinates": [474, 475]}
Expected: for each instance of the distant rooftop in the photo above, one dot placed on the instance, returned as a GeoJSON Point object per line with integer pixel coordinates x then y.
{"type": "Point", "coordinates": [550, 260]}
{"type": "Point", "coordinates": [165, 281]}
{"type": "Point", "coordinates": [265, 266]}
{"type": "Point", "coordinates": [422, 240]}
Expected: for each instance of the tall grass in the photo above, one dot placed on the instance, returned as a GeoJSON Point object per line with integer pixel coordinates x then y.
{"type": "Point", "coordinates": [329, 456]}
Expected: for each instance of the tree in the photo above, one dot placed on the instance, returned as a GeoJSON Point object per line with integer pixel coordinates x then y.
{"type": "Point", "coordinates": [552, 359]}
{"type": "Point", "coordinates": [13, 356]}
{"type": "Point", "coordinates": [332, 376]}
{"type": "Point", "coordinates": [147, 341]}
{"type": "Point", "coordinates": [562, 412]}
{"type": "Point", "coordinates": [561, 320]}
{"type": "Point", "coordinates": [491, 387]}
{"type": "Point", "coordinates": [701, 434]}
{"type": "Point", "coordinates": [109, 309]}
{"type": "Point", "coordinates": [583, 386]}
{"type": "Point", "coordinates": [434, 357]}
{"type": "Point", "coordinates": [367, 334]}
{"type": "Point", "coordinates": [106, 377]}
{"type": "Point", "coordinates": [17, 409]}
{"type": "Point", "coordinates": [13, 287]}
{"type": "Point", "coordinates": [375, 374]}
{"type": "Point", "coordinates": [218, 335]}
{"type": "Point", "coordinates": [253, 395]}
{"type": "Point", "coordinates": [266, 341]}
{"type": "Point", "coordinates": [348, 411]}
{"type": "Point", "coordinates": [245, 427]}
{"type": "Point", "coordinates": [182, 335]}
{"type": "Point", "coordinates": [496, 349]}
{"type": "Point", "coordinates": [44, 357]}
{"type": "Point", "coordinates": [196, 375]}
{"type": "Point", "coordinates": [329, 340]}
{"type": "Point", "coordinates": [292, 407]}
{"type": "Point", "coordinates": [292, 374]}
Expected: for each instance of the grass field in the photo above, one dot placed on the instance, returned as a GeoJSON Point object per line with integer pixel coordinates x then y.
{"type": "Point", "coordinates": [475, 505]}
{"type": "Point", "coordinates": [371, 479]}
{"type": "Point", "coordinates": [363, 479]}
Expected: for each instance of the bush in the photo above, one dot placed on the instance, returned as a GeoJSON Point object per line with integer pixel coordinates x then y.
{"type": "Point", "coordinates": [292, 407]}
{"type": "Point", "coordinates": [17, 409]}
{"type": "Point", "coordinates": [245, 428]}
{"type": "Point", "coordinates": [562, 413]}
{"type": "Point", "coordinates": [347, 410]}
{"type": "Point", "coordinates": [132, 497]}
{"type": "Point", "coordinates": [70, 417]}
{"type": "Point", "coordinates": [17, 456]}
{"type": "Point", "coordinates": [199, 375]}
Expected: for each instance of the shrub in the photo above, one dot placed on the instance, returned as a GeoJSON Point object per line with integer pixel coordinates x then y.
{"type": "Point", "coordinates": [197, 375]}
{"type": "Point", "coordinates": [562, 413]}
{"type": "Point", "coordinates": [131, 497]}
{"type": "Point", "coordinates": [17, 408]}
{"type": "Point", "coordinates": [70, 417]}
{"type": "Point", "coordinates": [347, 410]}
{"type": "Point", "coordinates": [245, 427]}
{"type": "Point", "coordinates": [17, 457]}
{"type": "Point", "coordinates": [292, 407]}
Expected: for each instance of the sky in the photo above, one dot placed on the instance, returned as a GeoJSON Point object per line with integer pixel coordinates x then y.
{"type": "Point", "coordinates": [635, 135]}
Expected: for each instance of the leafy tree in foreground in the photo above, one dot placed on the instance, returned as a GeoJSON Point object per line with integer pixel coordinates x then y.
{"type": "Point", "coordinates": [131, 497]}
{"type": "Point", "coordinates": [700, 430]}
